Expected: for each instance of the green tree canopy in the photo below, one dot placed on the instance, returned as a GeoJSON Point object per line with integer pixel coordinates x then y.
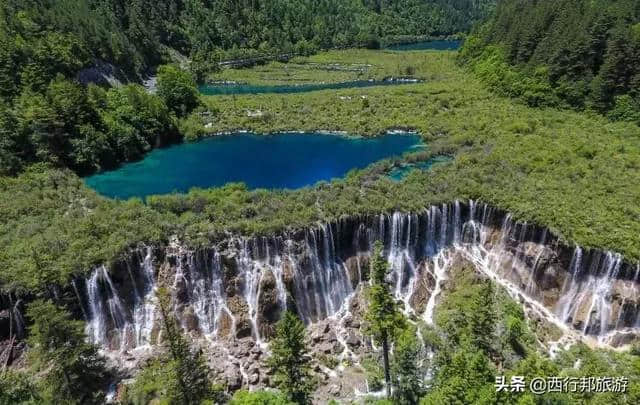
{"type": "Point", "coordinates": [178, 89]}
{"type": "Point", "coordinates": [74, 372]}
{"type": "Point", "coordinates": [408, 376]}
{"type": "Point", "coordinates": [290, 360]}
{"type": "Point", "coordinates": [189, 366]}
{"type": "Point", "coordinates": [18, 388]}
{"type": "Point", "coordinates": [384, 319]}
{"type": "Point", "coordinates": [582, 54]}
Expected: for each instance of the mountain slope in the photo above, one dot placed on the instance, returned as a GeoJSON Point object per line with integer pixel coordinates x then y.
{"type": "Point", "coordinates": [584, 54]}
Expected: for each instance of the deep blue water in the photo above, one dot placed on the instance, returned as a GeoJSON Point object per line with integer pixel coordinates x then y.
{"type": "Point", "coordinates": [222, 89]}
{"type": "Point", "coordinates": [439, 45]}
{"type": "Point", "coordinates": [261, 161]}
{"type": "Point", "coordinates": [399, 173]}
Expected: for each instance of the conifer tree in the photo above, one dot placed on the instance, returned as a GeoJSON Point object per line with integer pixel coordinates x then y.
{"type": "Point", "coordinates": [74, 371]}
{"type": "Point", "coordinates": [290, 360]}
{"type": "Point", "coordinates": [191, 369]}
{"type": "Point", "coordinates": [383, 317]}
{"type": "Point", "coordinates": [408, 377]}
{"type": "Point", "coordinates": [484, 319]}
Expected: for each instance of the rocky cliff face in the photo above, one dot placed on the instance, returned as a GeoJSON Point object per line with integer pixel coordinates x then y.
{"type": "Point", "coordinates": [230, 294]}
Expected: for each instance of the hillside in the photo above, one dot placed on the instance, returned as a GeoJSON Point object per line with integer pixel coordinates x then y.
{"type": "Point", "coordinates": [137, 35]}
{"type": "Point", "coordinates": [582, 54]}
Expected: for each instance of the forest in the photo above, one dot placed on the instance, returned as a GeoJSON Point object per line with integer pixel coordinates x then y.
{"type": "Point", "coordinates": [576, 54]}
{"type": "Point", "coordinates": [50, 50]}
{"type": "Point", "coordinates": [138, 35]}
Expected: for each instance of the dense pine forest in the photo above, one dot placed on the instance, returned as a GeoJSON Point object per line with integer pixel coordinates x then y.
{"type": "Point", "coordinates": [581, 54]}
{"type": "Point", "coordinates": [137, 35]}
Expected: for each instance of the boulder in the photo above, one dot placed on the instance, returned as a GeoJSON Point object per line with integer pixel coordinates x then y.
{"type": "Point", "coordinates": [354, 268]}
{"type": "Point", "coordinates": [423, 288]}
{"type": "Point", "coordinates": [232, 376]}
{"type": "Point", "coordinates": [225, 325]}
{"type": "Point", "coordinates": [352, 340]}
{"type": "Point", "coordinates": [325, 347]}
{"type": "Point", "coordinates": [254, 378]}
{"type": "Point", "coordinates": [268, 304]}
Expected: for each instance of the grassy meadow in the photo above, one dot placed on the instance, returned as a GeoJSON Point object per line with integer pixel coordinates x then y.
{"type": "Point", "coordinates": [339, 66]}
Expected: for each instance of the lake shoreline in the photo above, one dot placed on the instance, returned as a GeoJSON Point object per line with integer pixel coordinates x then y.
{"type": "Point", "coordinates": [245, 131]}
{"type": "Point", "coordinates": [289, 161]}
{"type": "Point", "coordinates": [231, 87]}
{"type": "Point", "coordinates": [311, 132]}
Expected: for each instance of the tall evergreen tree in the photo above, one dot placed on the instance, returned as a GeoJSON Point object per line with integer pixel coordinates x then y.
{"type": "Point", "coordinates": [484, 318]}
{"type": "Point", "coordinates": [290, 360]}
{"type": "Point", "coordinates": [408, 376]}
{"type": "Point", "coordinates": [74, 372]}
{"type": "Point", "coordinates": [191, 369]}
{"type": "Point", "coordinates": [579, 53]}
{"type": "Point", "coordinates": [383, 316]}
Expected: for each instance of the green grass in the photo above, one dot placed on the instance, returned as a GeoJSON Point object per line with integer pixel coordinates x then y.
{"type": "Point", "coordinates": [338, 66]}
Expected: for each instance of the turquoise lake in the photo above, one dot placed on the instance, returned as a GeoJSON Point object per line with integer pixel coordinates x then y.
{"type": "Point", "coordinates": [280, 161]}
{"type": "Point", "coordinates": [227, 89]}
{"type": "Point", "coordinates": [440, 45]}
{"type": "Point", "coordinates": [399, 173]}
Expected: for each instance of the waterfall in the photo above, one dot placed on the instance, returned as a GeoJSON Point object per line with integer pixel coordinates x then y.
{"type": "Point", "coordinates": [401, 257]}
{"type": "Point", "coordinates": [105, 308]}
{"type": "Point", "coordinates": [318, 270]}
{"type": "Point", "coordinates": [588, 290]}
{"type": "Point", "coordinates": [251, 287]}
{"type": "Point", "coordinates": [144, 311]}
{"type": "Point", "coordinates": [111, 322]}
{"type": "Point", "coordinates": [531, 286]}
{"type": "Point", "coordinates": [322, 287]}
{"type": "Point", "coordinates": [440, 264]}
{"type": "Point", "coordinates": [17, 319]}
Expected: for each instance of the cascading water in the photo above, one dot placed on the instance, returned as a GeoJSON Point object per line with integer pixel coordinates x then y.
{"type": "Point", "coordinates": [105, 308]}
{"type": "Point", "coordinates": [144, 311]}
{"type": "Point", "coordinates": [440, 264]}
{"type": "Point", "coordinates": [316, 272]}
{"type": "Point", "coordinates": [323, 284]}
{"type": "Point", "coordinates": [589, 292]}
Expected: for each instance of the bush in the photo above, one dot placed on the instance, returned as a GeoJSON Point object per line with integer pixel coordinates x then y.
{"type": "Point", "coordinates": [178, 89]}
{"type": "Point", "coordinates": [156, 382]}
{"type": "Point", "coordinates": [17, 388]}
{"type": "Point", "coordinates": [192, 127]}
{"type": "Point", "coordinates": [305, 48]}
{"type": "Point", "coordinates": [243, 397]}
{"type": "Point", "coordinates": [626, 108]}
